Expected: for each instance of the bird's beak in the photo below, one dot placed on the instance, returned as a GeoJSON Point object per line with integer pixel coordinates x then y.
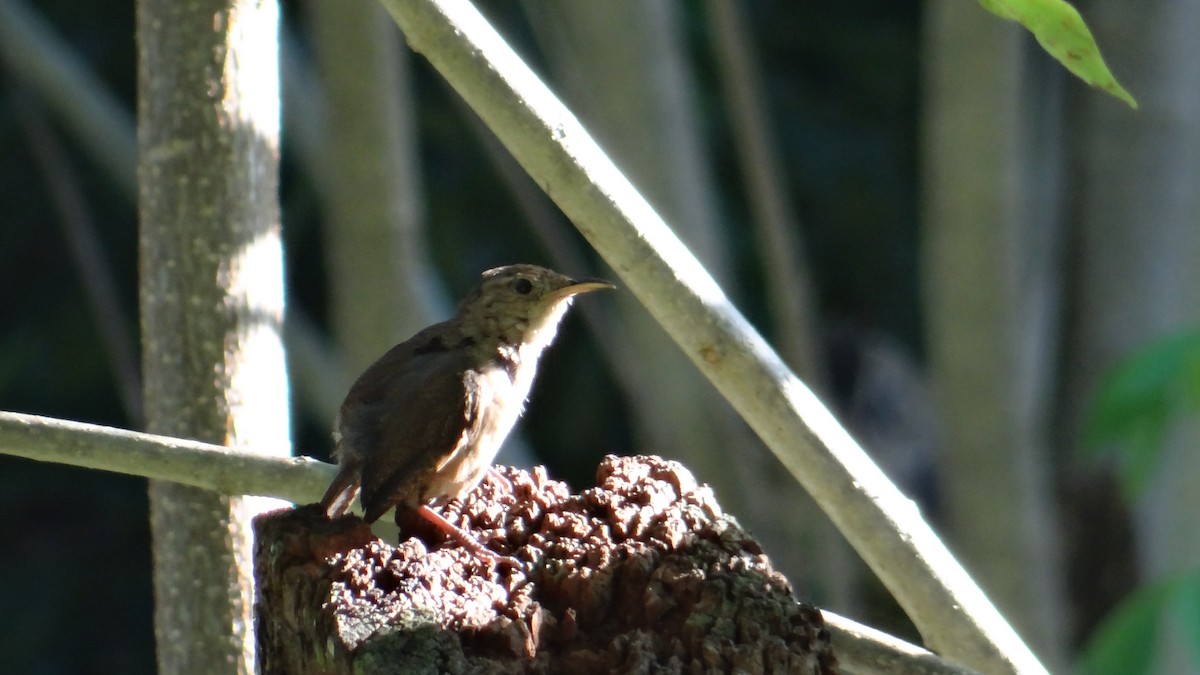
{"type": "Point", "coordinates": [584, 285]}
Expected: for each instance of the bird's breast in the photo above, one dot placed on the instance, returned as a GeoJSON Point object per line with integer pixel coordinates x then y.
{"type": "Point", "coordinates": [496, 401]}
{"type": "Point", "coordinates": [500, 394]}
{"type": "Point", "coordinates": [503, 387]}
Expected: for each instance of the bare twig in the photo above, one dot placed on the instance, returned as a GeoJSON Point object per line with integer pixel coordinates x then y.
{"type": "Point", "coordinates": [862, 649]}
{"type": "Point", "coordinates": [213, 467]}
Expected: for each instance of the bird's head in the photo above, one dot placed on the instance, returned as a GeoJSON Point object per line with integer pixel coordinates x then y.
{"type": "Point", "coordinates": [521, 305]}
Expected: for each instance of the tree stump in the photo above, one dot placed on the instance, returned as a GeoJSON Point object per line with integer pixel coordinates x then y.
{"type": "Point", "coordinates": [641, 574]}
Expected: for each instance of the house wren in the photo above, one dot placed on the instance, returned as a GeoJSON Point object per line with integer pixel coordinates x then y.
{"type": "Point", "coordinates": [423, 423]}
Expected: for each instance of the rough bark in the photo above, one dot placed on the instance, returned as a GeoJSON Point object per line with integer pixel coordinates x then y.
{"type": "Point", "coordinates": [641, 573]}
{"type": "Point", "coordinates": [212, 303]}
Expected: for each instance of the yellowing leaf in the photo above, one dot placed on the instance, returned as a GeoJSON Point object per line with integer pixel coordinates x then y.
{"type": "Point", "coordinates": [1063, 34]}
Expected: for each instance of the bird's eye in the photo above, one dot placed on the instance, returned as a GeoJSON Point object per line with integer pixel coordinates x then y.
{"type": "Point", "coordinates": [523, 286]}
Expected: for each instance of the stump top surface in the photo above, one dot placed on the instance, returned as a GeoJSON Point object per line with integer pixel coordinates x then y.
{"type": "Point", "coordinates": [642, 573]}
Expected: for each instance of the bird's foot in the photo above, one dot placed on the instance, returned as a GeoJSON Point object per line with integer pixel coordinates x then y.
{"type": "Point", "coordinates": [500, 478]}
{"type": "Point", "coordinates": [464, 539]}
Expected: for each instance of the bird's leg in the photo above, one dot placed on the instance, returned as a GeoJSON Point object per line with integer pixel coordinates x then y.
{"type": "Point", "coordinates": [463, 538]}
{"type": "Point", "coordinates": [500, 478]}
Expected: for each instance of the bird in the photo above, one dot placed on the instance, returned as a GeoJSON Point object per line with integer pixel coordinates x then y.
{"type": "Point", "coordinates": [423, 423]}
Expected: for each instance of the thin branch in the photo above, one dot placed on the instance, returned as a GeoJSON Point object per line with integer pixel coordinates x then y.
{"type": "Point", "coordinates": [213, 467]}
{"type": "Point", "coordinates": [951, 611]}
{"type": "Point", "coordinates": [862, 649]}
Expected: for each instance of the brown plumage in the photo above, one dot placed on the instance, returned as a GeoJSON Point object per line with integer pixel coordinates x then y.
{"type": "Point", "coordinates": [423, 423]}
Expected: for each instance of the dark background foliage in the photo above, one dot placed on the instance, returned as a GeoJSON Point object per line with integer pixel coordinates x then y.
{"type": "Point", "coordinates": [842, 78]}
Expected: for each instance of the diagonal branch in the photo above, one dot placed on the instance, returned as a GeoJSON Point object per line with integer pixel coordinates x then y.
{"type": "Point", "coordinates": [950, 610]}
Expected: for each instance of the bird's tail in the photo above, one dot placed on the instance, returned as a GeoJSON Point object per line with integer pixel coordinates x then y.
{"type": "Point", "coordinates": [341, 492]}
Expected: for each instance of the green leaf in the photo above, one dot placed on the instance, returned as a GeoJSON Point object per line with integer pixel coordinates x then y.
{"type": "Point", "coordinates": [1137, 401]}
{"type": "Point", "coordinates": [1125, 642]}
{"type": "Point", "coordinates": [1187, 608]}
{"type": "Point", "coordinates": [1127, 639]}
{"type": "Point", "coordinates": [1063, 34]}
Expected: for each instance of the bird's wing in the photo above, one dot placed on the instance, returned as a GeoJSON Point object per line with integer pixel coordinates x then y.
{"type": "Point", "coordinates": [423, 414]}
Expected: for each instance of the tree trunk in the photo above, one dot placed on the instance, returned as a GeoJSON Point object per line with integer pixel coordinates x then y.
{"type": "Point", "coordinates": [382, 287]}
{"type": "Point", "coordinates": [642, 573]}
{"type": "Point", "coordinates": [212, 303]}
{"type": "Point", "coordinates": [1138, 269]}
{"type": "Point", "coordinates": [991, 294]}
